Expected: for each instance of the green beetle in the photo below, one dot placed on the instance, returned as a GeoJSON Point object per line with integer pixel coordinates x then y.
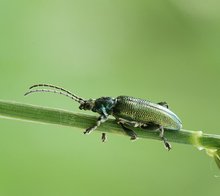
{"type": "Point", "coordinates": [128, 111]}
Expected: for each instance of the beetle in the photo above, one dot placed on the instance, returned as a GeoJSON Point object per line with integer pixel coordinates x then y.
{"type": "Point", "coordinates": [128, 112]}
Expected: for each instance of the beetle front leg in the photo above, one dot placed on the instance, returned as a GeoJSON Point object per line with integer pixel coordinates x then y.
{"type": "Point", "coordinates": [166, 143]}
{"type": "Point", "coordinates": [100, 120]}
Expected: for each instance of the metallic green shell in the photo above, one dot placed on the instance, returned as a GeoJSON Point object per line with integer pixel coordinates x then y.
{"type": "Point", "coordinates": [142, 111]}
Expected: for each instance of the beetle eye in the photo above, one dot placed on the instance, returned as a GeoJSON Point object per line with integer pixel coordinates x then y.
{"type": "Point", "coordinates": [88, 106]}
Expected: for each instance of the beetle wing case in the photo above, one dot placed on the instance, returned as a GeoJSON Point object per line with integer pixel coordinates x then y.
{"type": "Point", "coordinates": [142, 111]}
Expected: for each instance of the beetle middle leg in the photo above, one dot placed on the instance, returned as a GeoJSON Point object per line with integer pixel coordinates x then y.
{"type": "Point", "coordinates": [128, 131]}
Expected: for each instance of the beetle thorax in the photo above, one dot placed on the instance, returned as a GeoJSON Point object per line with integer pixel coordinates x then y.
{"type": "Point", "coordinates": [104, 105]}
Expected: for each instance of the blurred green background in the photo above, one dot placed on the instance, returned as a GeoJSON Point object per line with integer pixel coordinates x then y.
{"type": "Point", "coordinates": [157, 50]}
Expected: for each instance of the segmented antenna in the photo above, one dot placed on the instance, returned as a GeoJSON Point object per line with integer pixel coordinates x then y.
{"type": "Point", "coordinates": [61, 92]}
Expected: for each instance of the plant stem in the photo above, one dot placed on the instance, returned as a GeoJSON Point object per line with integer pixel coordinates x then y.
{"type": "Point", "coordinates": [56, 116]}
{"type": "Point", "coordinates": [18, 111]}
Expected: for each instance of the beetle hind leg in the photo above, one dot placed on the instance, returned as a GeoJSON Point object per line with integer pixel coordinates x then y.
{"type": "Point", "coordinates": [166, 143]}
{"type": "Point", "coordinates": [164, 104]}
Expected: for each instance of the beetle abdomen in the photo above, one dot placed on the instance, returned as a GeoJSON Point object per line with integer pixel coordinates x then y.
{"type": "Point", "coordinates": [139, 110]}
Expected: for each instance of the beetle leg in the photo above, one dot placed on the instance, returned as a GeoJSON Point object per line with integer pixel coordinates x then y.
{"type": "Point", "coordinates": [128, 131]}
{"type": "Point", "coordinates": [164, 104]}
{"type": "Point", "coordinates": [150, 126]}
{"type": "Point", "coordinates": [100, 120]}
{"type": "Point", "coordinates": [128, 123]}
{"type": "Point", "coordinates": [166, 143]}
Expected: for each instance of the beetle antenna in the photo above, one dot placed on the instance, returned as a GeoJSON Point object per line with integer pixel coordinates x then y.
{"type": "Point", "coordinates": [78, 99]}
{"type": "Point", "coordinates": [67, 93]}
{"type": "Point", "coordinates": [52, 86]}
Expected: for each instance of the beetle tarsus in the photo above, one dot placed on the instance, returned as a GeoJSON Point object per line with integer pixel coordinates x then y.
{"type": "Point", "coordinates": [129, 131]}
{"type": "Point", "coordinates": [90, 129]}
{"type": "Point", "coordinates": [166, 143]}
{"type": "Point", "coordinates": [133, 138]}
{"type": "Point", "coordinates": [104, 137]}
{"type": "Point", "coordinates": [87, 131]}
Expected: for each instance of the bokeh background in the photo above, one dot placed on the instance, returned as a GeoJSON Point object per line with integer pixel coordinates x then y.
{"type": "Point", "coordinates": [157, 50]}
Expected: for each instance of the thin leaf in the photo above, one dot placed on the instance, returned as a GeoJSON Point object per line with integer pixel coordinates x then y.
{"type": "Point", "coordinates": [38, 114]}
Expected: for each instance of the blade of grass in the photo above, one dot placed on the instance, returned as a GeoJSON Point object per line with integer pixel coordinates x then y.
{"type": "Point", "coordinates": [39, 114]}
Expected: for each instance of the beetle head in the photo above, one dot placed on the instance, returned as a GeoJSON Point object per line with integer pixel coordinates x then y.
{"type": "Point", "coordinates": [87, 104]}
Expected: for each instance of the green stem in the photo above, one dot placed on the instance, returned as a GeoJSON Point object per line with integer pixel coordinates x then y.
{"type": "Point", "coordinates": [61, 117]}
{"type": "Point", "coordinates": [56, 116]}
